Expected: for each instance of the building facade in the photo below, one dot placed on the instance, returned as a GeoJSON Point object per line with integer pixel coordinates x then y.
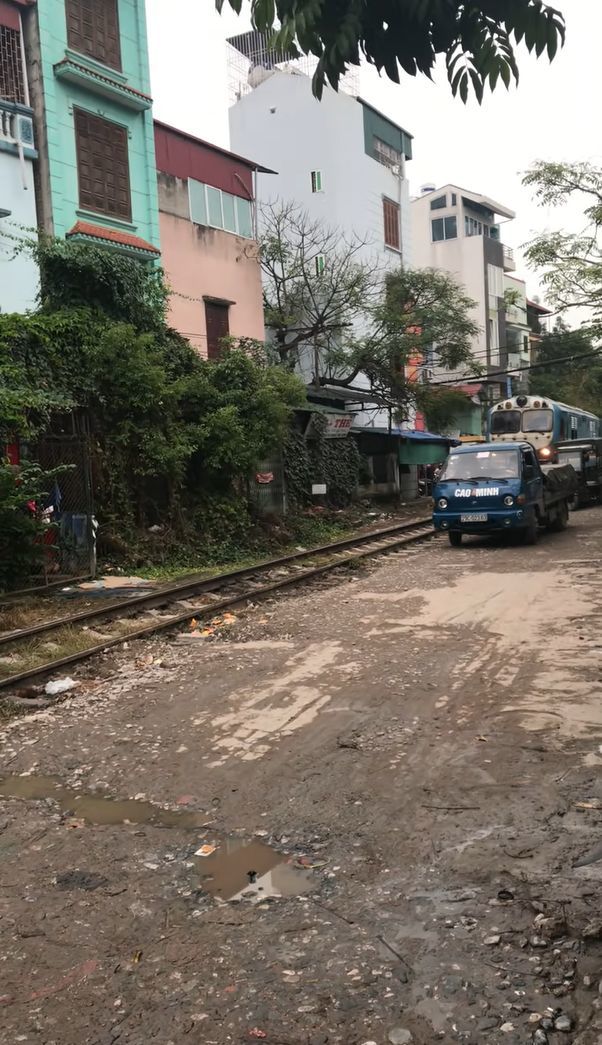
{"type": "Point", "coordinates": [517, 334]}
{"type": "Point", "coordinates": [344, 164]}
{"type": "Point", "coordinates": [207, 226]}
{"type": "Point", "coordinates": [339, 158]}
{"type": "Point", "coordinates": [459, 232]}
{"type": "Point", "coordinates": [341, 161]}
{"type": "Point", "coordinates": [90, 90]}
{"type": "Point", "coordinates": [18, 272]}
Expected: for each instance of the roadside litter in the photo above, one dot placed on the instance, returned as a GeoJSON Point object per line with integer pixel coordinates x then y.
{"type": "Point", "coordinates": [52, 689]}
{"type": "Point", "coordinates": [206, 850]}
{"type": "Point", "coordinates": [208, 630]}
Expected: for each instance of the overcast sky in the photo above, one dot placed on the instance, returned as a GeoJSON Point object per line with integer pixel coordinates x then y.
{"type": "Point", "coordinates": [553, 114]}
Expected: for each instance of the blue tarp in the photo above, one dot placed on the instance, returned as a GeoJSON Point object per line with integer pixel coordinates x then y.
{"type": "Point", "coordinates": [410, 434]}
{"type": "Point", "coordinates": [425, 437]}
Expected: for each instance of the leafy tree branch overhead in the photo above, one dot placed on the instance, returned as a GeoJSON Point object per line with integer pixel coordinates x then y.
{"type": "Point", "coordinates": [478, 40]}
{"type": "Point", "coordinates": [571, 263]}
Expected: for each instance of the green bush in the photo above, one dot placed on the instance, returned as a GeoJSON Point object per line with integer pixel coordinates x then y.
{"type": "Point", "coordinates": [21, 550]}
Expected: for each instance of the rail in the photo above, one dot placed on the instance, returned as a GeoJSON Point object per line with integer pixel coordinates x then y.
{"type": "Point", "coordinates": [257, 582]}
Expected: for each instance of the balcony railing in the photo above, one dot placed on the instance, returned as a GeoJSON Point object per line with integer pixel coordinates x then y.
{"type": "Point", "coordinates": [509, 263]}
{"type": "Point", "coordinates": [16, 124]}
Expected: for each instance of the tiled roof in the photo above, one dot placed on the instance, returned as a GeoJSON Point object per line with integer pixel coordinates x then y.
{"type": "Point", "coordinates": [124, 239]}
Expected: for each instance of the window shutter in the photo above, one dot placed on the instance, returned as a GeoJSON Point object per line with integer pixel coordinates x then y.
{"type": "Point", "coordinates": [216, 320]}
{"type": "Point", "coordinates": [102, 166]}
{"type": "Point", "coordinates": [391, 223]}
{"type": "Point", "coordinates": [93, 30]}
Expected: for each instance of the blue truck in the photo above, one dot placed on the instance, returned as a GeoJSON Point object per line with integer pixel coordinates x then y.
{"type": "Point", "coordinates": [501, 487]}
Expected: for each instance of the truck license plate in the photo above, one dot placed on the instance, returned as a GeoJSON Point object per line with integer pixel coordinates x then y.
{"type": "Point", "coordinates": [475, 517]}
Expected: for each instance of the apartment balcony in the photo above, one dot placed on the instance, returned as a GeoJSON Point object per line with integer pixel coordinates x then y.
{"type": "Point", "coordinates": [509, 262]}
{"type": "Point", "coordinates": [16, 128]}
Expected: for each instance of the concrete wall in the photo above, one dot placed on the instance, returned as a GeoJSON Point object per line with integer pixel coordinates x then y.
{"type": "Point", "coordinates": [53, 100]}
{"type": "Point", "coordinates": [204, 262]}
{"type": "Point", "coordinates": [18, 275]}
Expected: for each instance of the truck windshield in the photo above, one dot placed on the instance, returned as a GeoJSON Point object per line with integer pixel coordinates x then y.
{"type": "Point", "coordinates": [505, 422]}
{"type": "Point", "coordinates": [537, 421]}
{"type": "Point", "coordinates": [482, 464]}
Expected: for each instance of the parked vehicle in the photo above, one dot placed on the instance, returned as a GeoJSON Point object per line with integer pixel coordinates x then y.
{"type": "Point", "coordinates": [542, 422]}
{"type": "Point", "coordinates": [498, 487]}
{"type": "Point", "coordinates": [585, 456]}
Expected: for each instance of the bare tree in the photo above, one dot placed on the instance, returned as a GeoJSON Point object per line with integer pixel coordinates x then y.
{"type": "Point", "coordinates": [331, 309]}
{"type": "Point", "coordinates": [316, 287]}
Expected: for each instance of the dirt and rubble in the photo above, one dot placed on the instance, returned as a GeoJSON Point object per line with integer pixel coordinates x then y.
{"type": "Point", "coordinates": [366, 813]}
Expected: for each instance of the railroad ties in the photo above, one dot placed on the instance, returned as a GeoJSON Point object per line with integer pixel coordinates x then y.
{"type": "Point", "coordinates": [142, 616]}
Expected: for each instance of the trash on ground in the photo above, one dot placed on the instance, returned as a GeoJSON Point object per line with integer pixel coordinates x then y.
{"type": "Point", "coordinates": [205, 850]}
{"type": "Point", "coordinates": [115, 582]}
{"type": "Point", "coordinates": [593, 803]}
{"type": "Point", "coordinates": [308, 864]}
{"type": "Point", "coordinates": [52, 689]}
{"type": "Point", "coordinates": [256, 1032]}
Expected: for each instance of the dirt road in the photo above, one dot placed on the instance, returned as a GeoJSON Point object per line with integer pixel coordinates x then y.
{"type": "Point", "coordinates": [398, 771]}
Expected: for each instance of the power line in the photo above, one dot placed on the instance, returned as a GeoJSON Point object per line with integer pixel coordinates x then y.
{"type": "Point", "coordinates": [519, 369]}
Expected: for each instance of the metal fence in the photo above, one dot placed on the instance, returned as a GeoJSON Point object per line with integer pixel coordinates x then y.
{"type": "Point", "coordinates": [68, 507]}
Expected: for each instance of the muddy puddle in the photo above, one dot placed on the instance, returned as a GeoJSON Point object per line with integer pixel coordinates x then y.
{"type": "Point", "coordinates": [253, 871]}
{"type": "Point", "coordinates": [235, 869]}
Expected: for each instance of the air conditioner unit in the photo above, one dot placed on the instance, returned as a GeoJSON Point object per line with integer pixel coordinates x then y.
{"type": "Point", "coordinates": [22, 129]}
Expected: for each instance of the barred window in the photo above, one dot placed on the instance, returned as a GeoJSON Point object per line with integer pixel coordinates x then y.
{"type": "Point", "coordinates": [93, 29]}
{"type": "Point", "coordinates": [102, 166]}
{"type": "Point", "coordinates": [12, 80]}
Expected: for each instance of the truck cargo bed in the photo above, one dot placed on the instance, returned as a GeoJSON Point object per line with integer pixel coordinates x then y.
{"type": "Point", "coordinates": [560, 481]}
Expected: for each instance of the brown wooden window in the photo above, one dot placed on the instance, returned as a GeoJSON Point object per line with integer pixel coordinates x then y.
{"type": "Point", "coordinates": [102, 166]}
{"type": "Point", "coordinates": [93, 29]}
{"type": "Point", "coordinates": [12, 81]}
{"type": "Point", "coordinates": [216, 320]}
{"type": "Point", "coordinates": [391, 222]}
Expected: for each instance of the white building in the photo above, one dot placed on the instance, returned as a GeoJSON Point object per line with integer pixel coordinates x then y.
{"type": "Point", "coordinates": [18, 220]}
{"type": "Point", "coordinates": [339, 158]}
{"type": "Point", "coordinates": [459, 231]}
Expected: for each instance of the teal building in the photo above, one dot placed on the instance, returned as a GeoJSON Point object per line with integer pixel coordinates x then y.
{"type": "Point", "coordinates": [90, 92]}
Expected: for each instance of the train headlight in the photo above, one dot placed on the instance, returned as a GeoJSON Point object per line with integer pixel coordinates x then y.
{"type": "Point", "coordinates": [544, 453]}
{"type": "Point", "coordinates": [442, 502]}
{"type": "Point", "coordinates": [508, 500]}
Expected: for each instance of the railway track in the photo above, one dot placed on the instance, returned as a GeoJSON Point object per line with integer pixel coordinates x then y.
{"type": "Point", "coordinates": [176, 604]}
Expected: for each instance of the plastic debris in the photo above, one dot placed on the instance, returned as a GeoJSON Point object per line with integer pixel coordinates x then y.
{"type": "Point", "coordinates": [52, 689]}
{"type": "Point", "coordinates": [256, 1032]}
{"type": "Point", "coordinates": [205, 850]}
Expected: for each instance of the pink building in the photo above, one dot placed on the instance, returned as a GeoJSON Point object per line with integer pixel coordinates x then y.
{"type": "Point", "coordinates": [208, 245]}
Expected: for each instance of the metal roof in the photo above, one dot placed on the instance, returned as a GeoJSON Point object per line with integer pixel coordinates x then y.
{"type": "Point", "coordinates": [215, 148]}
